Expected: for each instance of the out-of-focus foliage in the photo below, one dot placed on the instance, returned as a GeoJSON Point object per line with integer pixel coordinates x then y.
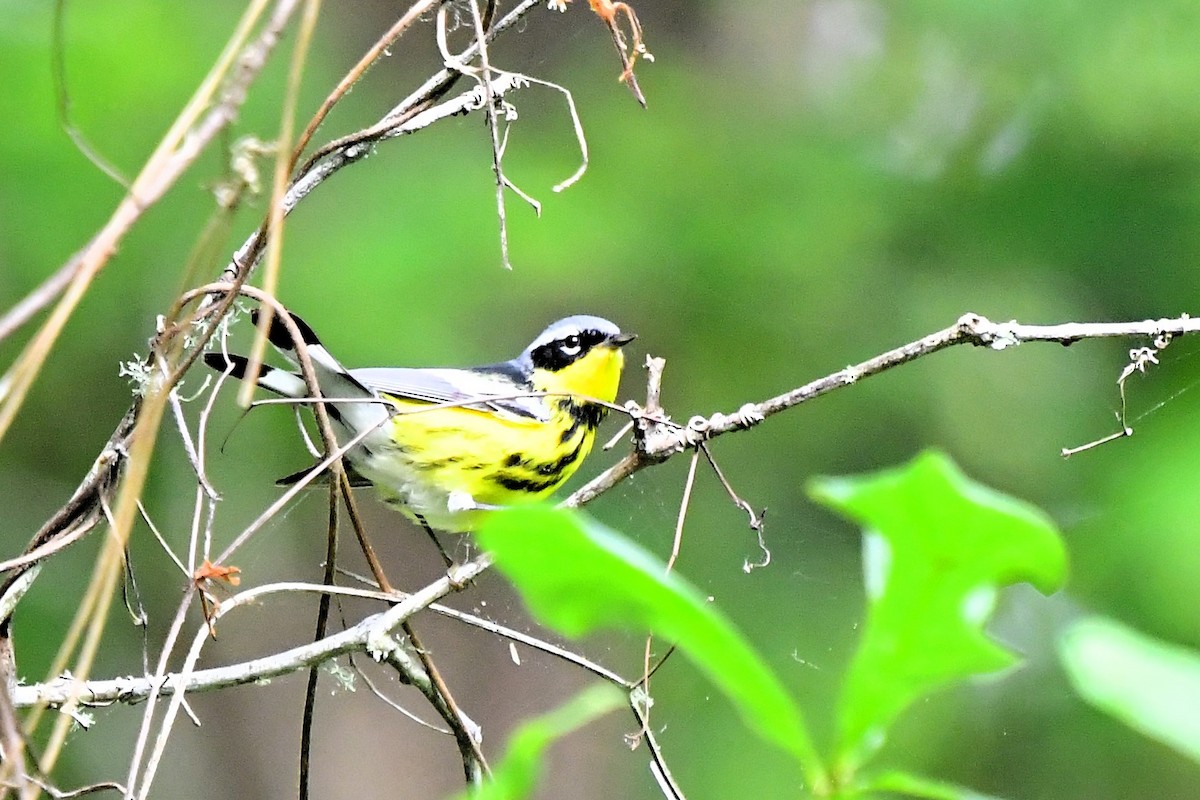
{"type": "Point", "coordinates": [1150, 686]}
{"type": "Point", "coordinates": [937, 548]}
{"type": "Point", "coordinates": [518, 773]}
{"type": "Point", "coordinates": [579, 577]}
{"type": "Point", "coordinates": [812, 183]}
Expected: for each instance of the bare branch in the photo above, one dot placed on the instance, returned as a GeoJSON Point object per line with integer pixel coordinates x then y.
{"type": "Point", "coordinates": [658, 440]}
{"type": "Point", "coordinates": [376, 629]}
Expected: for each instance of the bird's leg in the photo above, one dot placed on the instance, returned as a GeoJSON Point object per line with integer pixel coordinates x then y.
{"type": "Point", "coordinates": [436, 542]}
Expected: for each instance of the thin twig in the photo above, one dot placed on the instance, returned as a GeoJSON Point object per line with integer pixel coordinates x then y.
{"type": "Point", "coordinates": [279, 181]}
{"type": "Point", "coordinates": [474, 763]}
{"type": "Point", "coordinates": [323, 606]}
{"type": "Point", "coordinates": [58, 70]}
{"type": "Point", "coordinates": [189, 446]}
{"type": "Point", "coordinates": [355, 74]}
{"type": "Point", "coordinates": [466, 733]}
{"type": "Point", "coordinates": [1140, 360]}
{"type": "Point", "coordinates": [658, 764]}
{"type": "Point", "coordinates": [375, 690]}
{"type": "Point", "coordinates": [484, 76]}
{"type": "Point", "coordinates": [42, 296]}
{"type": "Point", "coordinates": [91, 788]}
{"type": "Point", "coordinates": [756, 520]}
{"type": "Point", "coordinates": [676, 543]}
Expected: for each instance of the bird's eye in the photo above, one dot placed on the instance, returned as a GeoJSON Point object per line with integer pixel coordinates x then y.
{"type": "Point", "coordinates": [570, 345]}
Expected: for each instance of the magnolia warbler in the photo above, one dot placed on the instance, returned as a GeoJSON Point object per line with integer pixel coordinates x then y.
{"type": "Point", "coordinates": [445, 445]}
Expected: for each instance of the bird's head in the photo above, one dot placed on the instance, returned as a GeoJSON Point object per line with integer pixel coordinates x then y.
{"type": "Point", "coordinates": [581, 355]}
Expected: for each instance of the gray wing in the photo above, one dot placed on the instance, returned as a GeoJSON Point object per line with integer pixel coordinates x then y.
{"type": "Point", "coordinates": [482, 390]}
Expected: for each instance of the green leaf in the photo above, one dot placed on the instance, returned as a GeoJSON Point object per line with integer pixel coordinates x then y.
{"type": "Point", "coordinates": [917, 786]}
{"type": "Point", "coordinates": [578, 576]}
{"type": "Point", "coordinates": [517, 773]}
{"type": "Point", "coordinates": [937, 547]}
{"type": "Point", "coordinates": [1151, 686]}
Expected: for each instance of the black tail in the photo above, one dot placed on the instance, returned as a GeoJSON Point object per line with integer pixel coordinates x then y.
{"type": "Point", "coordinates": [279, 381]}
{"type": "Point", "coordinates": [281, 337]}
{"type": "Point", "coordinates": [236, 365]}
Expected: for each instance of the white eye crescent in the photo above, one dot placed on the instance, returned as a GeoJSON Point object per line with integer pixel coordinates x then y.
{"type": "Point", "coordinates": [570, 346]}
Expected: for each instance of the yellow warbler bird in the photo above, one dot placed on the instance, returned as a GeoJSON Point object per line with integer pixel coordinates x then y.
{"type": "Point", "coordinates": [445, 445]}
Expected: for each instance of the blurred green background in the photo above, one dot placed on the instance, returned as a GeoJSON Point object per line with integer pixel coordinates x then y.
{"type": "Point", "coordinates": [812, 183]}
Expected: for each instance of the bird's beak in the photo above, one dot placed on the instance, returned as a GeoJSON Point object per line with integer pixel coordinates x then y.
{"type": "Point", "coordinates": [622, 339]}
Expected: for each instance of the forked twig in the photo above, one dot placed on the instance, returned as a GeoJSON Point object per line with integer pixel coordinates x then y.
{"type": "Point", "coordinates": [1140, 360]}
